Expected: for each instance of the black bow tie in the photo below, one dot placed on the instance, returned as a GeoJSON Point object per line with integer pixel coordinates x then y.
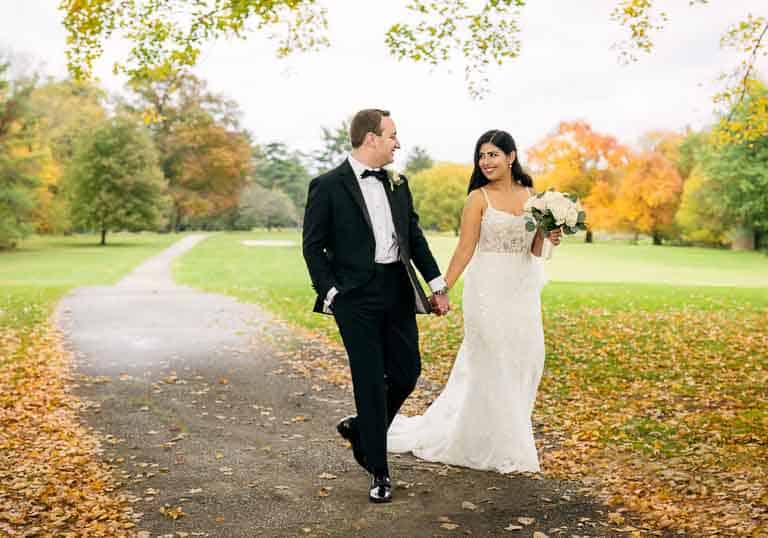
{"type": "Point", "coordinates": [379, 174]}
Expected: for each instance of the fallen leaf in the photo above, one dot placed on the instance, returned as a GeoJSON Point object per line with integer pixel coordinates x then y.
{"type": "Point", "coordinates": [615, 518]}
{"type": "Point", "coordinates": [172, 513]}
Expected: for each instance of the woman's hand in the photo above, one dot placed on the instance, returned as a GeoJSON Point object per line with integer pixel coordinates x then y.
{"type": "Point", "coordinates": [554, 236]}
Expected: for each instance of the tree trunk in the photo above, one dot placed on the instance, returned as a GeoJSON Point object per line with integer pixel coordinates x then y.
{"type": "Point", "coordinates": [103, 237]}
{"type": "Point", "coordinates": [588, 238]}
{"type": "Point", "coordinates": [174, 221]}
{"type": "Point", "coordinates": [656, 239]}
{"type": "Point", "coordinates": [744, 238]}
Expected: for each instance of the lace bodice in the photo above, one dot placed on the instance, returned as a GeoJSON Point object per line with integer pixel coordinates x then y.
{"type": "Point", "coordinates": [503, 232]}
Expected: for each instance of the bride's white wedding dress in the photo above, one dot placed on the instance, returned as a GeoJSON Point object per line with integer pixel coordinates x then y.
{"type": "Point", "coordinates": [482, 419]}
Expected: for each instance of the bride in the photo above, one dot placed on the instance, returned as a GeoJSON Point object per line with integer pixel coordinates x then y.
{"type": "Point", "coordinates": [482, 419]}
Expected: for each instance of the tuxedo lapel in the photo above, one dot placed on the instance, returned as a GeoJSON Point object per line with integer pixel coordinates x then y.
{"type": "Point", "coordinates": [353, 187]}
{"type": "Point", "coordinates": [394, 209]}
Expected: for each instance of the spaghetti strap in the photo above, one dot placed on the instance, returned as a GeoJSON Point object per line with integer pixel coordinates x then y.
{"type": "Point", "coordinates": [487, 198]}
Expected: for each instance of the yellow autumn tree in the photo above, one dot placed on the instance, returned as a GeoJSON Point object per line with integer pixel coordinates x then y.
{"type": "Point", "coordinates": [66, 110]}
{"type": "Point", "coordinates": [700, 219]}
{"type": "Point", "coordinates": [439, 194]}
{"type": "Point", "coordinates": [51, 214]}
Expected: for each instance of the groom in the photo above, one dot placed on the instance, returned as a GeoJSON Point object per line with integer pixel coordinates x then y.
{"type": "Point", "coordinates": [360, 235]}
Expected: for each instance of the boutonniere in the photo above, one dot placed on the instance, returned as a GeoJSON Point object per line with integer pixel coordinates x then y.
{"type": "Point", "coordinates": [395, 179]}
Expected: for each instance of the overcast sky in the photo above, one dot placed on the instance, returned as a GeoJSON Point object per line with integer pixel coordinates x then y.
{"type": "Point", "coordinates": [566, 71]}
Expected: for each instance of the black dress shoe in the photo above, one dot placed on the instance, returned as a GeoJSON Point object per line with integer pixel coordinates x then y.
{"type": "Point", "coordinates": [348, 430]}
{"type": "Point", "coordinates": [381, 489]}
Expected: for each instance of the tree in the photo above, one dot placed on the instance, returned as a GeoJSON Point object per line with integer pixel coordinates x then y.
{"type": "Point", "coordinates": [19, 157]}
{"type": "Point", "coordinates": [280, 169]}
{"type": "Point", "coordinates": [439, 194]}
{"type": "Point", "coordinates": [207, 167]}
{"type": "Point", "coordinates": [741, 174]}
{"type": "Point", "coordinates": [262, 207]}
{"type": "Point", "coordinates": [649, 195]}
{"type": "Point", "coordinates": [168, 36]}
{"type": "Point", "coordinates": [336, 146]}
{"type": "Point", "coordinates": [205, 155]}
{"type": "Point", "coordinates": [575, 159]}
{"type": "Point", "coordinates": [417, 161]}
{"type": "Point", "coordinates": [51, 212]}
{"type": "Point", "coordinates": [738, 176]}
{"type": "Point", "coordinates": [602, 213]}
{"type": "Point", "coordinates": [114, 179]}
{"type": "Point", "coordinates": [701, 217]}
{"type": "Point", "coordinates": [67, 110]}
{"type": "Point", "coordinates": [691, 152]}
{"type": "Point", "coordinates": [667, 143]}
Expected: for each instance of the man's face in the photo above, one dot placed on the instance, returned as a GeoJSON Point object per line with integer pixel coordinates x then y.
{"type": "Point", "coordinates": [387, 143]}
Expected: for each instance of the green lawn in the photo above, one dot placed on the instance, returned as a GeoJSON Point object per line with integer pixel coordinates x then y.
{"type": "Point", "coordinates": [42, 269]}
{"type": "Point", "coordinates": [610, 276]}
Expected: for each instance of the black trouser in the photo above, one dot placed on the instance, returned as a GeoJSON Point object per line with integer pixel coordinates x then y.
{"type": "Point", "coordinates": [377, 323]}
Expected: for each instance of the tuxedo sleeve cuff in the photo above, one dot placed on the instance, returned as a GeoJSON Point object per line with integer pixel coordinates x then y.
{"type": "Point", "coordinates": [437, 283]}
{"type": "Point", "coordinates": [330, 295]}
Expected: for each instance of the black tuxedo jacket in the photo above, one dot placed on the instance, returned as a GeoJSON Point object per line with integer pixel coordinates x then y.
{"type": "Point", "coordinates": [338, 242]}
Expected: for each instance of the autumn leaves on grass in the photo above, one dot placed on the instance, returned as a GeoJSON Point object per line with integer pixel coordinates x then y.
{"type": "Point", "coordinates": [666, 413]}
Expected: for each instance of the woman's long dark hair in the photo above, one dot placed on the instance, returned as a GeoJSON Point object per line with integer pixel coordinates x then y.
{"type": "Point", "coordinates": [504, 141]}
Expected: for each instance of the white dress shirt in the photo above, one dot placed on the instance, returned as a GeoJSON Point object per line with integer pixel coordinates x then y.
{"type": "Point", "coordinates": [376, 202]}
{"type": "Point", "coordinates": [381, 214]}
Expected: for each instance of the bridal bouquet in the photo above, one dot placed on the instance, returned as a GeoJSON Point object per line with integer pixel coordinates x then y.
{"type": "Point", "coordinates": [550, 210]}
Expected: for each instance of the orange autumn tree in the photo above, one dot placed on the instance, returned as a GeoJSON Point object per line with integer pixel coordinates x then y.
{"type": "Point", "coordinates": [665, 142]}
{"type": "Point", "coordinates": [575, 159]}
{"type": "Point", "coordinates": [649, 195]}
{"type": "Point", "coordinates": [210, 166]}
{"type": "Point", "coordinates": [205, 155]}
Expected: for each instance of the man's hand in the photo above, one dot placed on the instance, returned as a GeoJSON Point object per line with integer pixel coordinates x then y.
{"type": "Point", "coordinates": [440, 304]}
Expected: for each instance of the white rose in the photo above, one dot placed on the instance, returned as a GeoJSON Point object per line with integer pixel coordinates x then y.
{"type": "Point", "coordinates": [572, 216]}
{"type": "Point", "coordinates": [559, 209]}
{"type": "Point", "coordinates": [535, 203]}
{"type": "Point", "coordinates": [551, 196]}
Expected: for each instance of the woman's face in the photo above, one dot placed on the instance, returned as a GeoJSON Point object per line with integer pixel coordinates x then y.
{"type": "Point", "coordinates": [494, 163]}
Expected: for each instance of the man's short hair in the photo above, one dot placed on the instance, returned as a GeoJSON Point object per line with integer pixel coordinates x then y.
{"type": "Point", "coordinates": [366, 121]}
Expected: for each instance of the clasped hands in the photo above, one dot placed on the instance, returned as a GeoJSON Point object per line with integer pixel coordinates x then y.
{"type": "Point", "coordinates": [440, 304]}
